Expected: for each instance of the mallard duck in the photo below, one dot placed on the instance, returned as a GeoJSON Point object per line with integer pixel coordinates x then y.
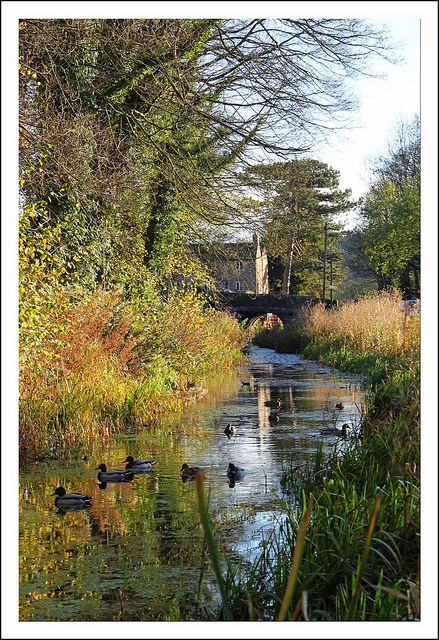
{"type": "Point", "coordinates": [230, 431]}
{"type": "Point", "coordinates": [234, 472]}
{"type": "Point", "coordinates": [188, 473]}
{"type": "Point", "coordinates": [138, 466]}
{"type": "Point", "coordinates": [333, 431]}
{"type": "Point", "coordinates": [274, 404]}
{"type": "Point", "coordinates": [273, 418]}
{"type": "Point", "coordinates": [66, 500]}
{"type": "Point", "coordinates": [116, 475]}
{"type": "Point", "coordinates": [339, 406]}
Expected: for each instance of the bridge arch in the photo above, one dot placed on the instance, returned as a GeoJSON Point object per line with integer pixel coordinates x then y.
{"type": "Point", "coordinates": [250, 321]}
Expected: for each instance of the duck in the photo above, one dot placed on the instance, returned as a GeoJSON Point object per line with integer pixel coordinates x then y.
{"type": "Point", "coordinates": [188, 473]}
{"type": "Point", "coordinates": [333, 431]}
{"type": "Point", "coordinates": [339, 406]}
{"type": "Point", "coordinates": [274, 404]}
{"type": "Point", "coordinates": [138, 466]}
{"type": "Point", "coordinates": [116, 475]}
{"type": "Point", "coordinates": [273, 418]}
{"type": "Point", "coordinates": [234, 472]}
{"type": "Point", "coordinates": [230, 431]}
{"type": "Point", "coordinates": [65, 500]}
{"type": "Point", "coordinates": [245, 383]}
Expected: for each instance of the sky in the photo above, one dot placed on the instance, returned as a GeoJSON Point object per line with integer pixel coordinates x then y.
{"type": "Point", "coordinates": [382, 103]}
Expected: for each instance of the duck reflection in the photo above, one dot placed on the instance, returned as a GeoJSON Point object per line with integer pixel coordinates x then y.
{"type": "Point", "coordinates": [234, 474]}
{"type": "Point", "coordinates": [62, 511]}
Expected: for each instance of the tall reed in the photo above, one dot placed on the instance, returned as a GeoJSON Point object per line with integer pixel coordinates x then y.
{"type": "Point", "coordinates": [113, 368]}
{"type": "Point", "coordinates": [359, 559]}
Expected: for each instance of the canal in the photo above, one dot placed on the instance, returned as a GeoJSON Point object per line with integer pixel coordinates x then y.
{"type": "Point", "coordinates": [137, 552]}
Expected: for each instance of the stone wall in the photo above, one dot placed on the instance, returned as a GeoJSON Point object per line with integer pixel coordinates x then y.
{"type": "Point", "coordinates": [235, 275]}
{"type": "Point", "coordinates": [237, 266]}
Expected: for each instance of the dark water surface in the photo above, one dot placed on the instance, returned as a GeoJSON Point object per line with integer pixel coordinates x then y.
{"type": "Point", "coordinates": [136, 553]}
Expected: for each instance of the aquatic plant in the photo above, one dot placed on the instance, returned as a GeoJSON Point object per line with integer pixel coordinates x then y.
{"type": "Point", "coordinates": [360, 556]}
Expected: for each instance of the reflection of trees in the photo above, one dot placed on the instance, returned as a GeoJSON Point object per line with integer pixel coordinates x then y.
{"type": "Point", "coordinates": [121, 545]}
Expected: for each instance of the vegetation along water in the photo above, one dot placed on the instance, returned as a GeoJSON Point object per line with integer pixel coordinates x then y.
{"type": "Point", "coordinates": [167, 166]}
{"type": "Point", "coordinates": [115, 560]}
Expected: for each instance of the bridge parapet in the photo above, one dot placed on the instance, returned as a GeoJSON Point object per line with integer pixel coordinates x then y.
{"type": "Point", "coordinates": [247, 306]}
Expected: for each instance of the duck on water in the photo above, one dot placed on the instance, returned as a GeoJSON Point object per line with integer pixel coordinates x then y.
{"type": "Point", "coordinates": [333, 431]}
{"type": "Point", "coordinates": [190, 473]}
{"type": "Point", "coordinates": [230, 431]}
{"type": "Point", "coordinates": [116, 475]}
{"type": "Point", "coordinates": [139, 466]}
{"type": "Point", "coordinates": [66, 500]}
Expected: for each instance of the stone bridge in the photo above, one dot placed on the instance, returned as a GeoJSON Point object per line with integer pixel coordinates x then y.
{"type": "Point", "coordinates": [248, 307]}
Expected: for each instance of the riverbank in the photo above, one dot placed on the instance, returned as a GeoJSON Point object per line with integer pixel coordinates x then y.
{"type": "Point", "coordinates": [351, 549]}
{"type": "Point", "coordinates": [138, 551]}
{"type": "Point", "coordinates": [110, 366]}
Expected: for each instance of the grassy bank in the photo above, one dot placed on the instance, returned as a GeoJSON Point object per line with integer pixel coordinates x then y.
{"type": "Point", "coordinates": [349, 549]}
{"type": "Point", "coordinates": [104, 365]}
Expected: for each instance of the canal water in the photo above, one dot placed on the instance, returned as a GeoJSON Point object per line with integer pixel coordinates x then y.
{"type": "Point", "coordinates": [136, 554]}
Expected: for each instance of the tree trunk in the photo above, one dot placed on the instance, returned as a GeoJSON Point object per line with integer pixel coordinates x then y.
{"type": "Point", "coordinates": [287, 270]}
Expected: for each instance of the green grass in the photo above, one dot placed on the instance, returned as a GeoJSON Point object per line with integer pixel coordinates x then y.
{"type": "Point", "coordinates": [355, 555]}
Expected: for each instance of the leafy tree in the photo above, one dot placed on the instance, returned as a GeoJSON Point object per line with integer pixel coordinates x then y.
{"type": "Point", "coordinates": [402, 161]}
{"type": "Point", "coordinates": [390, 233]}
{"type": "Point", "coordinates": [138, 124]}
{"type": "Point", "coordinates": [360, 276]}
{"type": "Point", "coordinates": [299, 199]}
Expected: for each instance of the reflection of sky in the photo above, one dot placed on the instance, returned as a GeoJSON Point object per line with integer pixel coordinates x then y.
{"type": "Point", "coordinates": [152, 522]}
{"type": "Point", "coordinates": [308, 393]}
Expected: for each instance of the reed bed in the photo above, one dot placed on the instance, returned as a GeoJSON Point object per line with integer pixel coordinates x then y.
{"type": "Point", "coordinates": [112, 368]}
{"type": "Point", "coordinates": [372, 332]}
{"type": "Point", "coordinates": [354, 553]}
{"type": "Point", "coordinates": [374, 324]}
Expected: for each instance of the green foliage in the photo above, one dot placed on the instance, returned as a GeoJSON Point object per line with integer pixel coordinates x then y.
{"type": "Point", "coordinates": [390, 235]}
{"type": "Point", "coordinates": [44, 297]}
{"type": "Point", "coordinates": [299, 197]}
{"type": "Point", "coordinates": [391, 238]}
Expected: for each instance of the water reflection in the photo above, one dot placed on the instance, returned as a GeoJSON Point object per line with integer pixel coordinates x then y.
{"type": "Point", "coordinates": [135, 553]}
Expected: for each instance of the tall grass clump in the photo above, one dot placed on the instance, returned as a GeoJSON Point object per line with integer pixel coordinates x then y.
{"type": "Point", "coordinates": [357, 333]}
{"type": "Point", "coordinates": [356, 555]}
{"type": "Point", "coordinates": [113, 367]}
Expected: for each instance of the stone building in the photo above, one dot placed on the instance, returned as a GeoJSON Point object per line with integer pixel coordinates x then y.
{"type": "Point", "coordinates": [237, 266]}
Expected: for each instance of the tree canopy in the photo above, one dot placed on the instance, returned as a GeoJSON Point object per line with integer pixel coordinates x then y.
{"type": "Point", "coordinates": [390, 231]}
{"type": "Point", "coordinates": [131, 130]}
{"type": "Point", "coordinates": [296, 201]}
